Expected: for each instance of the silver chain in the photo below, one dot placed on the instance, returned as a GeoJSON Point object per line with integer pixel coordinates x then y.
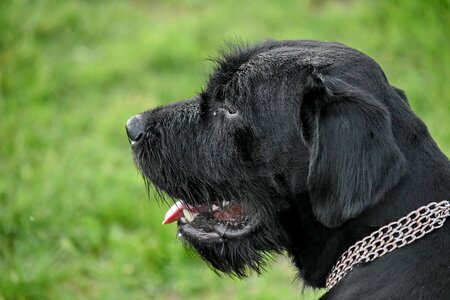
{"type": "Point", "coordinates": [390, 237]}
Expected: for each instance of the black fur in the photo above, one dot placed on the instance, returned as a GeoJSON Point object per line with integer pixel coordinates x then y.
{"type": "Point", "coordinates": [313, 139]}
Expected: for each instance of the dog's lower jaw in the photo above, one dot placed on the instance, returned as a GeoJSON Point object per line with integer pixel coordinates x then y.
{"type": "Point", "coordinates": [235, 256]}
{"type": "Point", "coordinates": [214, 232]}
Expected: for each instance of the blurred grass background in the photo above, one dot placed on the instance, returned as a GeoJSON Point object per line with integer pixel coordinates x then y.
{"type": "Point", "coordinates": [75, 220]}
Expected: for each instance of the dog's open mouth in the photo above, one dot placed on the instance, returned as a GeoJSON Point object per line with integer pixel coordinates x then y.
{"type": "Point", "coordinates": [212, 223]}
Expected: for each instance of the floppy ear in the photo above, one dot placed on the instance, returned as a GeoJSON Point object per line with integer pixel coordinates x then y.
{"type": "Point", "coordinates": [354, 159]}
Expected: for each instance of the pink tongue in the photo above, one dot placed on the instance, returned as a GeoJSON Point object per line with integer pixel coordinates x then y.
{"type": "Point", "coordinates": [176, 211]}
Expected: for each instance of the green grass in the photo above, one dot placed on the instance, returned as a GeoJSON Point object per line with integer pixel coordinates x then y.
{"type": "Point", "coordinates": [75, 221]}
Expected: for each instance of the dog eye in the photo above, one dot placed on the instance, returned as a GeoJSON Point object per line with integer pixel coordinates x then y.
{"type": "Point", "coordinates": [226, 111]}
{"type": "Point", "coordinates": [231, 110]}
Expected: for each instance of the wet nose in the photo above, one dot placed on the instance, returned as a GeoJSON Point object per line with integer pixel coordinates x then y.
{"type": "Point", "coordinates": [135, 129]}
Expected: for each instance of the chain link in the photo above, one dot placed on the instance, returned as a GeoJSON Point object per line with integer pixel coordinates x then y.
{"type": "Point", "coordinates": [390, 237]}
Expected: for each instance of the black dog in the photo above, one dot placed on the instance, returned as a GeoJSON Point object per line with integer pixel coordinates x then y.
{"type": "Point", "coordinates": [301, 146]}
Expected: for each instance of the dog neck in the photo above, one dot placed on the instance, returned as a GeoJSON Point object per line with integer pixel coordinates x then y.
{"type": "Point", "coordinates": [392, 236]}
{"type": "Point", "coordinates": [315, 248]}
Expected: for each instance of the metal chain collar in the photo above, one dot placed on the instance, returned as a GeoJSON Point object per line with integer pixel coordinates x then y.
{"type": "Point", "coordinates": [390, 237]}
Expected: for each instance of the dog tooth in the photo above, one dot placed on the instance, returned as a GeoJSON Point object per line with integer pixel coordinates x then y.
{"type": "Point", "coordinates": [188, 215]}
{"type": "Point", "coordinates": [225, 203]}
{"type": "Point", "coordinates": [215, 207]}
{"type": "Point", "coordinates": [183, 220]}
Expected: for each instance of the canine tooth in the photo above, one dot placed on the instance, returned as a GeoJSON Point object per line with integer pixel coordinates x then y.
{"type": "Point", "coordinates": [188, 215]}
{"type": "Point", "coordinates": [215, 207]}
{"type": "Point", "coordinates": [225, 203]}
{"type": "Point", "coordinates": [183, 220]}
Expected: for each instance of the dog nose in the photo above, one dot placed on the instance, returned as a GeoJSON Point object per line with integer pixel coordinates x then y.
{"type": "Point", "coordinates": [135, 129]}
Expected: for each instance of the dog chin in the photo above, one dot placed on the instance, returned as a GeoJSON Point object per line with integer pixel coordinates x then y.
{"type": "Point", "coordinates": [235, 256]}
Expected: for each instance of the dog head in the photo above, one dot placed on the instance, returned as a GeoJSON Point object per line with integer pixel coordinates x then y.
{"type": "Point", "coordinates": [278, 124]}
